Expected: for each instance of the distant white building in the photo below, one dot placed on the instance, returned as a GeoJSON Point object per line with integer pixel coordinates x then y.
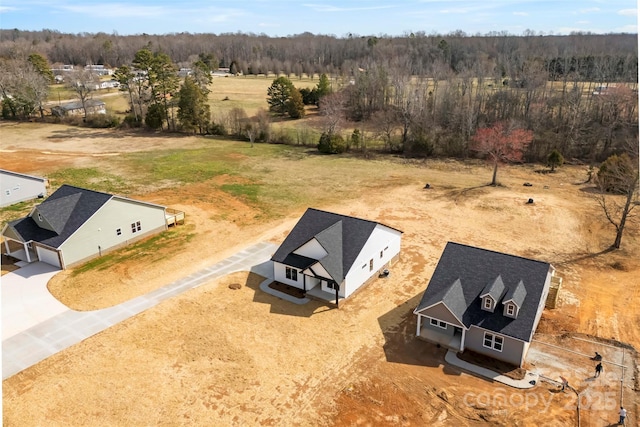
{"type": "Point", "coordinates": [17, 187]}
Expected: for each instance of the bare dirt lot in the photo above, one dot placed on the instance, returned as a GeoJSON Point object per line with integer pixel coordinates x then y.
{"type": "Point", "coordinates": [219, 356]}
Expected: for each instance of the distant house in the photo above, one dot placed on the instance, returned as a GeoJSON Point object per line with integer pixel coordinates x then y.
{"type": "Point", "coordinates": [94, 106]}
{"type": "Point", "coordinates": [17, 187]}
{"type": "Point", "coordinates": [74, 224]}
{"type": "Point", "coordinates": [184, 72]}
{"type": "Point", "coordinates": [329, 256]}
{"type": "Point", "coordinates": [484, 301]}
{"type": "Point", "coordinates": [109, 84]}
{"type": "Point", "coordinates": [100, 70]}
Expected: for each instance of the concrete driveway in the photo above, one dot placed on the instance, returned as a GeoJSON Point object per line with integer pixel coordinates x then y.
{"type": "Point", "coordinates": [42, 331]}
{"type": "Point", "coordinates": [26, 301]}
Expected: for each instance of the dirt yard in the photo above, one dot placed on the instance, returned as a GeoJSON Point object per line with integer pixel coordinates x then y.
{"type": "Point", "coordinates": [223, 356]}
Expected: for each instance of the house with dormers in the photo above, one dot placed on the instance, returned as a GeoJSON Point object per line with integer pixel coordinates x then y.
{"type": "Point", "coordinates": [74, 225]}
{"type": "Point", "coordinates": [485, 301]}
{"type": "Point", "coordinates": [331, 256]}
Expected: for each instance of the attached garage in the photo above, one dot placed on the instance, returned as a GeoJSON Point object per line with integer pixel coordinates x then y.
{"type": "Point", "coordinates": [50, 256]}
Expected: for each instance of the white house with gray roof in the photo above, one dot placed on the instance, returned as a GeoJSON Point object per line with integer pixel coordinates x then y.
{"type": "Point", "coordinates": [330, 256]}
{"type": "Point", "coordinates": [74, 225]}
{"type": "Point", "coordinates": [485, 301]}
{"type": "Point", "coordinates": [18, 187]}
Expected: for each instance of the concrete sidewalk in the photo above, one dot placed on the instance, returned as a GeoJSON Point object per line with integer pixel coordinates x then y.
{"type": "Point", "coordinates": [452, 358]}
{"type": "Point", "coordinates": [70, 327]}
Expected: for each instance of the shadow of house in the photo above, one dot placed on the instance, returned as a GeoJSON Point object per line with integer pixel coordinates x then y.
{"type": "Point", "coordinates": [263, 273]}
{"type": "Point", "coordinates": [401, 345]}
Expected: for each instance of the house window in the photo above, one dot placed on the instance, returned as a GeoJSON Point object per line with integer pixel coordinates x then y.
{"type": "Point", "coordinates": [493, 341]}
{"type": "Point", "coordinates": [135, 227]}
{"type": "Point", "coordinates": [511, 310]}
{"type": "Point", "coordinates": [40, 217]}
{"type": "Point", "coordinates": [438, 323]}
{"type": "Point", "coordinates": [488, 305]}
{"type": "Point", "coordinates": [7, 192]}
{"type": "Point", "coordinates": [381, 254]}
{"type": "Point", "coordinates": [119, 231]}
{"type": "Point", "coordinates": [332, 285]}
{"type": "Point", "coordinates": [291, 274]}
{"type": "Point", "coordinates": [371, 264]}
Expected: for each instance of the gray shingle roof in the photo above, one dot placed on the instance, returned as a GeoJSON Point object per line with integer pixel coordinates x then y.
{"type": "Point", "coordinates": [516, 294]}
{"type": "Point", "coordinates": [65, 210]}
{"type": "Point", "coordinates": [474, 268]}
{"type": "Point", "coordinates": [495, 288]}
{"type": "Point", "coordinates": [341, 236]}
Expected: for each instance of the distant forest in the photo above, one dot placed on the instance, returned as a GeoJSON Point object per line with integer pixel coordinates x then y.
{"type": "Point", "coordinates": [588, 57]}
{"type": "Point", "coordinates": [421, 94]}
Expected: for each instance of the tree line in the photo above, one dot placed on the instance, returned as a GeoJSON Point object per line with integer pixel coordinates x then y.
{"type": "Point", "coordinates": [611, 57]}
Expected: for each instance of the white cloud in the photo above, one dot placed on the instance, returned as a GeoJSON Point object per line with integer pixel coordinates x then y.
{"type": "Point", "coordinates": [329, 8]}
{"type": "Point", "coordinates": [627, 29]}
{"type": "Point", "coordinates": [116, 10]}
{"type": "Point", "coordinates": [589, 10]}
{"type": "Point", "coordinates": [628, 12]}
{"type": "Point", "coordinates": [521, 13]}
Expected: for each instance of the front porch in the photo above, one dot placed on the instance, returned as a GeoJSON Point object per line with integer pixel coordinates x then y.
{"type": "Point", "coordinates": [444, 338]}
{"type": "Point", "coordinates": [22, 251]}
{"type": "Point", "coordinates": [317, 293]}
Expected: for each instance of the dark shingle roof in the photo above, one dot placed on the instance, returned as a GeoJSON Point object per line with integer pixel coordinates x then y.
{"type": "Point", "coordinates": [65, 210]}
{"type": "Point", "coordinates": [474, 268]}
{"type": "Point", "coordinates": [341, 236]}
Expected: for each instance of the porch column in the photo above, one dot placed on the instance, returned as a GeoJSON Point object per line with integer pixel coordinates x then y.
{"type": "Point", "coordinates": [304, 282]}
{"type": "Point", "coordinates": [6, 246]}
{"type": "Point", "coordinates": [462, 340]}
{"type": "Point", "coordinates": [418, 328]}
{"type": "Point", "coordinates": [26, 250]}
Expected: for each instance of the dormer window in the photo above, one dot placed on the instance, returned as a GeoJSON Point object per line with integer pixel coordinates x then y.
{"type": "Point", "coordinates": [487, 304]}
{"type": "Point", "coordinates": [40, 217]}
{"type": "Point", "coordinates": [510, 310]}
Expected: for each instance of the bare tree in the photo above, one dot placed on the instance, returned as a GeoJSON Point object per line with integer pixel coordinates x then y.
{"type": "Point", "coordinates": [617, 182]}
{"type": "Point", "coordinates": [332, 112]}
{"type": "Point", "coordinates": [83, 83]}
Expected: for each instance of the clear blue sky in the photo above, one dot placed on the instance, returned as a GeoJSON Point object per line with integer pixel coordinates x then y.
{"type": "Point", "coordinates": [337, 17]}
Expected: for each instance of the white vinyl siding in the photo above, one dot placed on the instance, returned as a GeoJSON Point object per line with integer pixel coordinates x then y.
{"type": "Point", "coordinates": [96, 234]}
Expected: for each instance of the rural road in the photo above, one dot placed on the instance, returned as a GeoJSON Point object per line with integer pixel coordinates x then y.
{"type": "Point", "coordinates": [63, 330]}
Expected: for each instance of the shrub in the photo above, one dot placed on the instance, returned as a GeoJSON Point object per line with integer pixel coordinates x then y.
{"type": "Point", "coordinates": [554, 160]}
{"type": "Point", "coordinates": [331, 144]}
{"type": "Point", "coordinates": [217, 129]}
{"type": "Point", "coordinates": [102, 121]}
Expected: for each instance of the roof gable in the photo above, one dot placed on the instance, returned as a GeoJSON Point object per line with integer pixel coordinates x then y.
{"type": "Point", "coordinates": [341, 236]}
{"type": "Point", "coordinates": [475, 268]}
{"type": "Point", "coordinates": [493, 289]}
{"type": "Point", "coordinates": [516, 294]}
{"type": "Point", "coordinates": [65, 211]}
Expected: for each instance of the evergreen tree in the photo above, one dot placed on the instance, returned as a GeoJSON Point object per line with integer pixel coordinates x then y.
{"type": "Point", "coordinates": [295, 106]}
{"type": "Point", "coordinates": [279, 93]}
{"type": "Point", "coordinates": [193, 110]}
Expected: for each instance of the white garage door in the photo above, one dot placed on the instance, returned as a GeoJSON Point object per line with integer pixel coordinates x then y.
{"type": "Point", "coordinates": [48, 256]}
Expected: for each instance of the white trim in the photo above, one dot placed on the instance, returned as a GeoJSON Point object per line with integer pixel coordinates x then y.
{"type": "Point", "coordinates": [418, 312]}
{"type": "Point", "coordinates": [494, 337]}
{"type": "Point", "coordinates": [438, 323]}
{"type": "Point", "coordinates": [497, 333]}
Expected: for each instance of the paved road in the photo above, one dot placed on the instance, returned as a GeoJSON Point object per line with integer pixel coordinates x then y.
{"type": "Point", "coordinates": [63, 330]}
